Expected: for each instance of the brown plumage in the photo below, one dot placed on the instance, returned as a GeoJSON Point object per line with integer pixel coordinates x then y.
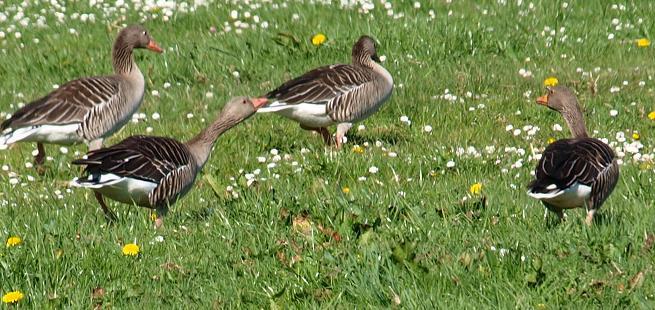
{"type": "Point", "coordinates": [87, 109]}
{"type": "Point", "coordinates": [154, 172]}
{"type": "Point", "coordinates": [336, 94]}
{"type": "Point", "coordinates": [576, 172]}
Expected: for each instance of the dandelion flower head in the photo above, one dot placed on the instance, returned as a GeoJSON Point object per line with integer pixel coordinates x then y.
{"type": "Point", "coordinates": [476, 188]}
{"type": "Point", "coordinates": [12, 297]}
{"type": "Point", "coordinates": [130, 249]}
{"type": "Point", "coordinates": [14, 241]}
{"type": "Point", "coordinates": [358, 149]}
{"type": "Point", "coordinates": [318, 39]}
{"type": "Point", "coordinates": [551, 81]}
{"type": "Point", "coordinates": [643, 42]}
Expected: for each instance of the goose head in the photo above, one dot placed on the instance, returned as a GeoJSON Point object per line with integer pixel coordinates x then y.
{"type": "Point", "coordinates": [365, 50]}
{"type": "Point", "coordinates": [563, 100]}
{"type": "Point", "coordinates": [136, 36]}
{"type": "Point", "coordinates": [559, 98]}
{"type": "Point", "coordinates": [240, 108]}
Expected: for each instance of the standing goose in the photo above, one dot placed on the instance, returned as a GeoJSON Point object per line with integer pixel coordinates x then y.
{"type": "Point", "coordinates": [88, 109]}
{"type": "Point", "coordinates": [336, 94]}
{"type": "Point", "coordinates": [576, 172]}
{"type": "Point", "coordinates": [154, 172]}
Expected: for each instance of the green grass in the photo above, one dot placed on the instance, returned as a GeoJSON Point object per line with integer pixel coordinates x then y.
{"type": "Point", "coordinates": [403, 235]}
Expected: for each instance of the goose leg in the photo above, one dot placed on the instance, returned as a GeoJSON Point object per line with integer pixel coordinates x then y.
{"type": "Point", "coordinates": [110, 216]}
{"type": "Point", "coordinates": [327, 138]}
{"type": "Point", "coordinates": [559, 212]}
{"type": "Point", "coordinates": [342, 129]}
{"type": "Point", "coordinates": [39, 158]}
{"type": "Point", "coordinates": [95, 144]}
{"type": "Point", "coordinates": [159, 221]}
{"type": "Point", "coordinates": [590, 217]}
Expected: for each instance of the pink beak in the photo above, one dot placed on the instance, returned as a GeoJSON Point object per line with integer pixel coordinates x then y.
{"type": "Point", "coordinates": [259, 102]}
{"type": "Point", "coordinates": [152, 45]}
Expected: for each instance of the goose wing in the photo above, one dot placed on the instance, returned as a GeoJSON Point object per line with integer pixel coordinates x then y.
{"type": "Point", "coordinates": [163, 161]}
{"type": "Point", "coordinates": [73, 102]}
{"type": "Point", "coordinates": [346, 90]}
{"type": "Point", "coordinates": [567, 161]}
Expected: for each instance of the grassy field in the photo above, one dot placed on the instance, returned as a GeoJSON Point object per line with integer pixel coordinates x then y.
{"type": "Point", "coordinates": [277, 220]}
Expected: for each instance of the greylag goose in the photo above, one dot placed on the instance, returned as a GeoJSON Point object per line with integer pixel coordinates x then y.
{"type": "Point", "coordinates": [154, 172]}
{"type": "Point", "coordinates": [336, 94]}
{"type": "Point", "coordinates": [576, 172]}
{"type": "Point", "coordinates": [87, 109]}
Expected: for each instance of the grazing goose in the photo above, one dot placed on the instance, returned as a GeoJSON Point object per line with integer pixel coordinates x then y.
{"type": "Point", "coordinates": [576, 172]}
{"type": "Point", "coordinates": [88, 109]}
{"type": "Point", "coordinates": [335, 94]}
{"type": "Point", "coordinates": [154, 172]}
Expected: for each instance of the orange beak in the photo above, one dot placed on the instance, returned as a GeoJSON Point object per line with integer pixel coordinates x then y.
{"type": "Point", "coordinates": [152, 45]}
{"type": "Point", "coordinates": [259, 102]}
{"type": "Point", "coordinates": [543, 100]}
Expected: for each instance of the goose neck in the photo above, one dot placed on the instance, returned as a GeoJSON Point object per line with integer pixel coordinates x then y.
{"type": "Point", "coordinates": [575, 120]}
{"type": "Point", "coordinates": [202, 144]}
{"type": "Point", "coordinates": [122, 58]}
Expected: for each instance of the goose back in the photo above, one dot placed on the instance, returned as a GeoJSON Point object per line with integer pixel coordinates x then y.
{"type": "Point", "coordinates": [159, 160]}
{"type": "Point", "coordinates": [585, 161]}
{"type": "Point", "coordinates": [350, 93]}
{"type": "Point", "coordinates": [99, 105]}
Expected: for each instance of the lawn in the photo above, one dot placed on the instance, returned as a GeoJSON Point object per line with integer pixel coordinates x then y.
{"type": "Point", "coordinates": [278, 220]}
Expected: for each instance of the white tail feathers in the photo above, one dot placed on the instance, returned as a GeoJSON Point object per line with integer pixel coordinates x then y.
{"type": "Point", "coordinates": [58, 134]}
{"type": "Point", "coordinates": [96, 181]}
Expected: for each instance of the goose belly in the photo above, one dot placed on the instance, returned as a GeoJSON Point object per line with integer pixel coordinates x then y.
{"type": "Point", "coordinates": [308, 114]}
{"type": "Point", "coordinates": [124, 189]}
{"type": "Point", "coordinates": [574, 196]}
{"type": "Point", "coordinates": [56, 134]}
{"type": "Point", "coordinates": [126, 116]}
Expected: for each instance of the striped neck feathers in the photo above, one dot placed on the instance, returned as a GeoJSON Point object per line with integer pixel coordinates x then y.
{"type": "Point", "coordinates": [363, 60]}
{"type": "Point", "coordinates": [201, 145]}
{"type": "Point", "coordinates": [574, 119]}
{"type": "Point", "coordinates": [122, 58]}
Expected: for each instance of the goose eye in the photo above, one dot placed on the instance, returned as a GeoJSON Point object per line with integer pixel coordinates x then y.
{"type": "Point", "coordinates": [145, 33]}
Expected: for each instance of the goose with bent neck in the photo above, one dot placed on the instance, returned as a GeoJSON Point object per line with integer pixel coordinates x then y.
{"type": "Point", "coordinates": [154, 172]}
{"type": "Point", "coordinates": [201, 145]}
{"type": "Point", "coordinates": [576, 172]}
{"type": "Point", "coordinates": [88, 109]}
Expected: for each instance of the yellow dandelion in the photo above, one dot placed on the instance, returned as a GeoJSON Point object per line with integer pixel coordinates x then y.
{"type": "Point", "coordinates": [318, 39]}
{"type": "Point", "coordinates": [14, 241]}
{"type": "Point", "coordinates": [643, 42]}
{"type": "Point", "coordinates": [358, 149]}
{"type": "Point", "coordinates": [130, 249]}
{"type": "Point", "coordinates": [476, 188]}
{"type": "Point", "coordinates": [635, 135]}
{"type": "Point", "coordinates": [12, 297]}
{"type": "Point", "coordinates": [345, 190]}
{"type": "Point", "coordinates": [153, 216]}
{"type": "Point", "coordinates": [551, 140]}
{"type": "Point", "coordinates": [551, 81]}
{"type": "Point", "coordinates": [651, 116]}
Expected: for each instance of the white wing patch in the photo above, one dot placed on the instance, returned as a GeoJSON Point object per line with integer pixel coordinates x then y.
{"type": "Point", "coordinates": [124, 189]}
{"type": "Point", "coordinates": [572, 197]}
{"type": "Point", "coordinates": [57, 134]}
